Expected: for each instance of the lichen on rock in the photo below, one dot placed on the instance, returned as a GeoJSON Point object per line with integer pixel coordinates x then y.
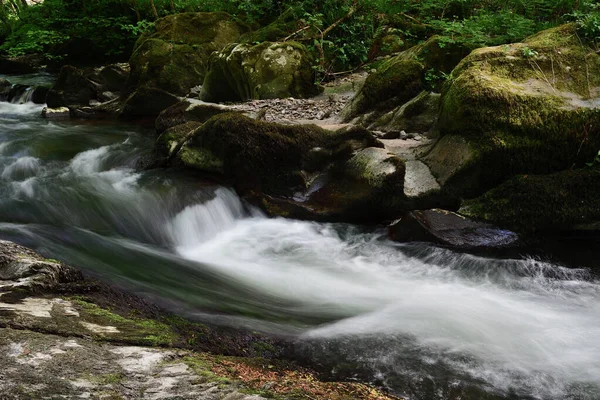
{"type": "Point", "coordinates": [268, 70]}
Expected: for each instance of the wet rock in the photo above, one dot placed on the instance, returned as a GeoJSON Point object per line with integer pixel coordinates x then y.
{"type": "Point", "coordinates": [450, 229]}
{"type": "Point", "coordinates": [27, 270]}
{"type": "Point", "coordinates": [147, 102]}
{"type": "Point", "coordinates": [114, 77]}
{"type": "Point", "coordinates": [60, 112]}
{"type": "Point", "coordinates": [39, 94]}
{"type": "Point", "coordinates": [5, 87]}
{"type": "Point", "coordinates": [72, 88]}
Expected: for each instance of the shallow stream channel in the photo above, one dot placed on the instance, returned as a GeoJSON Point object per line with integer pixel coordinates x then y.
{"type": "Point", "coordinates": [423, 321]}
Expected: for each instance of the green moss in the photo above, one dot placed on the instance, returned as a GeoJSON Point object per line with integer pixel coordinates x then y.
{"type": "Point", "coordinates": [279, 29]}
{"type": "Point", "coordinates": [174, 55]}
{"type": "Point", "coordinates": [396, 82]}
{"type": "Point", "coordinates": [523, 113]}
{"type": "Point", "coordinates": [132, 330]}
{"type": "Point", "coordinates": [530, 203]}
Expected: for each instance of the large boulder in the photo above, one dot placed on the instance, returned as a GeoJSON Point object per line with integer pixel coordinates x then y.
{"type": "Point", "coordinates": [299, 171]}
{"type": "Point", "coordinates": [174, 56]}
{"type": "Point", "coordinates": [265, 71]}
{"type": "Point", "coordinates": [523, 108]}
{"type": "Point", "coordinates": [564, 201]}
{"type": "Point", "coordinates": [72, 88]}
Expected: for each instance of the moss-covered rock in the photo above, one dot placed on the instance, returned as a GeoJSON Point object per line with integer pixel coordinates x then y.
{"type": "Point", "coordinates": [523, 108]}
{"type": "Point", "coordinates": [266, 71]}
{"type": "Point", "coordinates": [393, 84]}
{"type": "Point", "coordinates": [567, 200]}
{"type": "Point", "coordinates": [401, 78]}
{"type": "Point", "coordinates": [173, 57]}
{"type": "Point", "coordinates": [299, 171]}
{"type": "Point", "coordinates": [417, 115]}
{"type": "Point", "coordinates": [257, 155]}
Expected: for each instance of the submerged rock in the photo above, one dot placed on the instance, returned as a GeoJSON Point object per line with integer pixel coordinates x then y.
{"type": "Point", "coordinates": [450, 229]}
{"type": "Point", "coordinates": [174, 56]}
{"type": "Point", "coordinates": [268, 70]}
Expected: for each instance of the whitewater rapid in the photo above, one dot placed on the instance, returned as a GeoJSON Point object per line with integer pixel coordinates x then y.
{"type": "Point", "coordinates": [404, 312]}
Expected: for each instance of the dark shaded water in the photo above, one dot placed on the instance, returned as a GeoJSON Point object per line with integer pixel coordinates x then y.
{"type": "Point", "coordinates": [426, 322]}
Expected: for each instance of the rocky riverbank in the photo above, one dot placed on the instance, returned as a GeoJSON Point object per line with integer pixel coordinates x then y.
{"type": "Point", "coordinates": [69, 336]}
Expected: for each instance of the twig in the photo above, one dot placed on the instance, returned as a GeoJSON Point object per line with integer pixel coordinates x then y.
{"type": "Point", "coordinates": [351, 12]}
{"type": "Point", "coordinates": [297, 32]}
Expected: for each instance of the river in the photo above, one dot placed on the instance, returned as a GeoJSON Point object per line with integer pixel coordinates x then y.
{"type": "Point", "coordinates": [424, 321]}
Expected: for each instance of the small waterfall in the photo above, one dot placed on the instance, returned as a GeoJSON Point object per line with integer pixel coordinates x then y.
{"type": "Point", "coordinates": [22, 95]}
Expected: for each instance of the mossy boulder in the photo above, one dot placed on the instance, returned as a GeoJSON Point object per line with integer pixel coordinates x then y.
{"type": "Point", "coordinates": [173, 57]}
{"type": "Point", "coordinates": [419, 114]}
{"type": "Point", "coordinates": [393, 84]}
{"type": "Point", "coordinates": [524, 108]}
{"type": "Point", "coordinates": [189, 110]}
{"type": "Point", "coordinates": [437, 54]}
{"type": "Point", "coordinates": [299, 171]}
{"type": "Point", "coordinates": [261, 156]}
{"type": "Point", "coordinates": [402, 77]}
{"type": "Point", "coordinates": [567, 200]}
{"type": "Point", "coordinates": [265, 71]}
{"type": "Point", "coordinates": [72, 88]}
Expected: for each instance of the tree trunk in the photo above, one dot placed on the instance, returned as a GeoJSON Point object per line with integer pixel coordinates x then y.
{"type": "Point", "coordinates": [154, 9]}
{"type": "Point", "coordinates": [172, 6]}
{"type": "Point", "coordinates": [137, 10]}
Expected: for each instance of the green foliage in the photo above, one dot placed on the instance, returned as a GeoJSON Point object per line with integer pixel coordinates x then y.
{"type": "Point", "coordinates": [99, 28]}
{"type": "Point", "coordinates": [595, 161]}
{"type": "Point", "coordinates": [588, 24]}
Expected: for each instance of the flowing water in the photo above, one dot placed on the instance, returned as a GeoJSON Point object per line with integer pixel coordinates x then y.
{"type": "Point", "coordinates": [426, 322]}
